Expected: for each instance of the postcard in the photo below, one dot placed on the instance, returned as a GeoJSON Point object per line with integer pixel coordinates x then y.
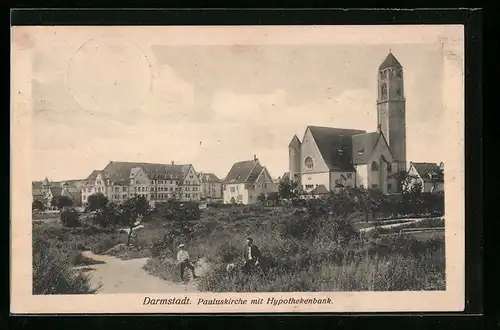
{"type": "Point", "coordinates": [237, 169]}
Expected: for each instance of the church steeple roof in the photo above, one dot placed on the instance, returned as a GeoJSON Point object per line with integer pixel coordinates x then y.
{"type": "Point", "coordinates": [389, 61]}
{"type": "Point", "coordinates": [295, 143]}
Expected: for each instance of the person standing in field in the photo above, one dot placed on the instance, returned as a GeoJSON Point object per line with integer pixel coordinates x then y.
{"type": "Point", "coordinates": [252, 255]}
{"type": "Point", "coordinates": [183, 260]}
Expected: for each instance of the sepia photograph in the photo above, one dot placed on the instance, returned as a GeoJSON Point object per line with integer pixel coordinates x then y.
{"type": "Point", "coordinates": [237, 169]}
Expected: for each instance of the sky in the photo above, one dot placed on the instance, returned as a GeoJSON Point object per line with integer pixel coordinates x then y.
{"type": "Point", "coordinates": [214, 96]}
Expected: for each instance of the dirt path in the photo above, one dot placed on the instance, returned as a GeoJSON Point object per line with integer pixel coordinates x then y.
{"type": "Point", "coordinates": [396, 225]}
{"type": "Point", "coordinates": [127, 276]}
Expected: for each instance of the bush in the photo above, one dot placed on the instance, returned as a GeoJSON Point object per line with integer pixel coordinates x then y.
{"type": "Point", "coordinates": [38, 205]}
{"type": "Point", "coordinates": [70, 217]}
{"type": "Point", "coordinates": [52, 272]}
{"type": "Point", "coordinates": [174, 210]}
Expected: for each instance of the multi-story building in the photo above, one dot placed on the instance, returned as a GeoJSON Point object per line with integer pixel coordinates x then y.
{"type": "Point", "coordinates": [211, 186]}
{"type": "Point", "coordinates": [246, 181]}
{"type": "Point", "coordinates": [158, 183]}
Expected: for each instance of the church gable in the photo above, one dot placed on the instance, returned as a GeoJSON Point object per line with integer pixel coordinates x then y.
{"type": "Point", "coordinates": [380, 149]}
{"type": "Point", "coordinates": [311, 159]}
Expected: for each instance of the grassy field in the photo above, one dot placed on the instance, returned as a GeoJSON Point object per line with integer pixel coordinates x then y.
{"type": "Point", "coordinates": [305, 252]}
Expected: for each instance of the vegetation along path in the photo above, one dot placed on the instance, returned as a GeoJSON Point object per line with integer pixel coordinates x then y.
{"type": "Point", "coordinates": [128, 276]}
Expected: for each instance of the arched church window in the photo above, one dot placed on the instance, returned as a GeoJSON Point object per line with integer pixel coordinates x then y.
{"type": "Point", "coordinates": [308, 162]}
{"type": "Point", "coordinates": [374, 166]}
{"type": "Point", "coordinates": [383, 91]}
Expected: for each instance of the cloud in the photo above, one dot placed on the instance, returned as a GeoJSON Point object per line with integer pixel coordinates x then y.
{"type": "Point", "coordinates": [171, 96]}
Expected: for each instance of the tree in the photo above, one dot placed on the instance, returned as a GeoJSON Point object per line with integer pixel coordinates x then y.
{"type": "Point", "coordinates": [70, 217]}
{"type": "Point", "coordinates": [38, 205]}
{"type": "Point", "coordinates": [132, 213]}
{"type": "Point", "coordinates": [368, 201]}
{"type": "Point", "coordinates": [61, 202]}
{"type": "Point", "coordinates": [97, 202]}
{"type": "Point", "coordinates": [404, 180]}
{"type": "Point", "coordinates": [288, 188]}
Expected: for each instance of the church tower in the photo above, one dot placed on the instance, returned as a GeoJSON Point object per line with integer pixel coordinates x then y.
{"type": "Point", "coordinates": [391, 112]}
{"type": "Point", "coordinates": [294, 159]}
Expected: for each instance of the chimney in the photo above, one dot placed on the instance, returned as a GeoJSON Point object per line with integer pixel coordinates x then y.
{"type": "Point", "coordinates": [172, 162]}
{"type": "Point", "coordinates": [379, 128]}
{"type": "Point", "coordinates": [254, 158]}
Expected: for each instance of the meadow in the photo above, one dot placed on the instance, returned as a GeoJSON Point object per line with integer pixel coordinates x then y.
{"type": "Point", "coordinates": [308, 249]}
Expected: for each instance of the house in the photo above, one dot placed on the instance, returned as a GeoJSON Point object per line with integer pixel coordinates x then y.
{"type": "Point", "coordinates": [46, 190]}
{"type": "Point", "coordinates": [430, 176]}
{"type": "Point", "coordinates": [119, 181]}
{"type": "Point", "coordinates": [344, 157]}
{"type": "Point", "coordinates": [211, 186]}
{"type": "Point", "coordinates": [246, 181]}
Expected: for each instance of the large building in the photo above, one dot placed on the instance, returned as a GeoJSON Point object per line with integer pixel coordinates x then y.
{"type": "Point", "coordinates": [158, 183]}
{"type": "Point", "coordinates": [246, 181]}
{"type": "Point", "coordinates": [211, 186]}
{"type": "Point", "coordinates": [330, 157]}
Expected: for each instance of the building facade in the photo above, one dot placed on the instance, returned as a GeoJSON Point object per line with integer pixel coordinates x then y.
{"type": "Point", "coordinates": [430, 176]}
{"type": "Point", "coordinates": [158, 183]}
{"type": "Point", "coordinates": [211, 186]}
{"type": "Point", "coordinates": [246, 181]}
{"type": "Point", "coordinates": [337, 157]}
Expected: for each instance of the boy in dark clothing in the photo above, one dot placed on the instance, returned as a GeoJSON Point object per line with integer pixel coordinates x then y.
{"type": "Point", "coordinates": [252, 255]}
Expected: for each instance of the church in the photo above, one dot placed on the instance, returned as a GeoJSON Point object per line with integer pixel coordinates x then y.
{"type": "Point", "coordinates": [329, 158]}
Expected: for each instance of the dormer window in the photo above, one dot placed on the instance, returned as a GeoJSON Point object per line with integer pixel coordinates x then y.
{"type": "Point", "coordinates": [340, 152]}
{"type": "Point", "coordinates": [360, 152]}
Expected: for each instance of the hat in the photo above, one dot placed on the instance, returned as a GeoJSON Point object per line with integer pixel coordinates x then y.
{"type": "Point", "coordinates": [249, 238]}
{"type": "Point", "coordinates": [181, 246]}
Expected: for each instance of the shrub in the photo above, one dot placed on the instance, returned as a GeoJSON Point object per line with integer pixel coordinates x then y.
{"type": "Point", "coordinates": [38, 205]}
{"type": "Point", "coordinates": [174, 210]}
{"type": "Point", "coordinates": [96, 201]}
{"type": "Point", "coordinates": [298, 226]}
{"type": "Point", "coordinates": [70, 217]}
{"type": "Point", "coordinates": [52, 272]}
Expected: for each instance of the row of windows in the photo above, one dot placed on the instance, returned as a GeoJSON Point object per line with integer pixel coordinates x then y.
{"type": "Point", "coordinates": [136, 189]}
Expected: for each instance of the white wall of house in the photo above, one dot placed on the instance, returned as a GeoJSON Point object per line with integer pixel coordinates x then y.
{"type": "Point", "coordinates": [236, 191]}
{"type": "Point", "coordinates": [361, 176]}
{"type": "Point", "coordinates": [312, 180]}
